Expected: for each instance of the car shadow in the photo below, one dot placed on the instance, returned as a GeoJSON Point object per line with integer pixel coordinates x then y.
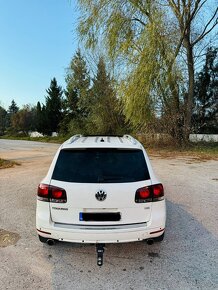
{"type": "Point", "coordinates": [186, 259]}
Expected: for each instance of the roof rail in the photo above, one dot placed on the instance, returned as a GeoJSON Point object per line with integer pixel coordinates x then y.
{"type": "Point", "coordinates": [75, 137]}
{"type": "Point", "coordinates": [130, 138]}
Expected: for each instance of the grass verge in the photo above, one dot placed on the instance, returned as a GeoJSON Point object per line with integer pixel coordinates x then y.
{"type": "Point", "coordinates": [48, 139]}
{"type": "Point", "coordinates": [7, 163]}
{"type": "Point", "coordinates": [201, 151]}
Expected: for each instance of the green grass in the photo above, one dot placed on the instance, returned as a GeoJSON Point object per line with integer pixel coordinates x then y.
{"type": "Point", "coordinates": [198, 151]}
{"type": "Point", "coordinates": [7, 163]}
{"type": "Point", "coordinates": [48, 139]}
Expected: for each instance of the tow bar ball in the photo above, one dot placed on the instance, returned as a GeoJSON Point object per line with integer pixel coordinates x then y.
{"type": "Point", "coordinates": [100, 253]}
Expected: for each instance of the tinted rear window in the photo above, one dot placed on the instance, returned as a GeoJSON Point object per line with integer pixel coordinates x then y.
{"type": "Point", "coordinates": [101, 166]}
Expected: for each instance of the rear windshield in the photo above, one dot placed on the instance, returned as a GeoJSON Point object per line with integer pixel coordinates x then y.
{"type": "Point", "coordinates": [101, 166]}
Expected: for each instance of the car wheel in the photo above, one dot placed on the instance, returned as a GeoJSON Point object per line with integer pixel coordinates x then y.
{"type": "Point", "coordinates": [160, 238]}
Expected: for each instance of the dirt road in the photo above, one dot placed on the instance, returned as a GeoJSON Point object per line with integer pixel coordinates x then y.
{"type": "Point", "coordinates": [186, 259]}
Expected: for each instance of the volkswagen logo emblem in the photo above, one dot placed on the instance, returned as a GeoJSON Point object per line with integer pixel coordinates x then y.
{"type": "Point", "coordinates": [101, 195]}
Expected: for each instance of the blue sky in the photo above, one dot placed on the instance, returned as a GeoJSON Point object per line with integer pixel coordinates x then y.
{"type": "Point", "coordinates": [37, 41]}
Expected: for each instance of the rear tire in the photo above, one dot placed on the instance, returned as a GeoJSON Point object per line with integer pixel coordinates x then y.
{"type": "Point", "coordinates": [159, 239]}
{"type": "Point", "coordinates": [42, 239]}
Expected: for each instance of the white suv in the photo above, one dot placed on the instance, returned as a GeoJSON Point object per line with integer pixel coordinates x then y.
{"type": "Point", "coordinates": [100, 189]}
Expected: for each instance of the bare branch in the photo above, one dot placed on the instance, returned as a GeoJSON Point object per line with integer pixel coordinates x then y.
{"type": "Point", "coordinates": [145, 12]}
{"type": "Point", "coordinates": [175, 8]}
{"type": "Point", "coordinates": [184, 3]}
{"type": "Point", "coordinates": [139, 20]}
{"type": "Point", "coordinates": [205, 31]}
{"type": "Point", "coordinates": [196, 8]}
{"type": "Point", "coordinates": [199, 7]}
{"type": "Point", "coordinates": [137, 47]}
{"type": "Point", "coordinates": [202, 36]}
{"type": "Point", "coordinates": [179, 6]}
{"type": "Point", "coordinates": [202, 52]}
{"type": "Point", "coordinates": [178, 47]}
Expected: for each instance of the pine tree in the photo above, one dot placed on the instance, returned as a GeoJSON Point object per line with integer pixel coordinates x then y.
{"type": "Point", "coordinates": [12, 110]}
{"type": "Point", "coordinates": [40, 118]}
{"type": "Point", "coordinates": [3, 114]}
{"type": "Point", "coordinates": [104, 116]}
{"type": "Point", "coordinates": [53, 107]}
{"type": "Point", "coordinates": [77, 94]}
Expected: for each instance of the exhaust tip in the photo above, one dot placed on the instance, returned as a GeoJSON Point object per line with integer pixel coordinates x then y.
{"type": "Point", "coordinates": [150, 241]}
{"type": "Point", "coordinates": [50, 242]}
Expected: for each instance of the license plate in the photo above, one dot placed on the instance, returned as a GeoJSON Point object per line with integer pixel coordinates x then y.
{"type": "Point", "coordinates": [99, 216]}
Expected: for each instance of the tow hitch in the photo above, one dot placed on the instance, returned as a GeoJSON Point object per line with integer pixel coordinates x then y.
{"type": "Point", "coordinates": [100, 253]}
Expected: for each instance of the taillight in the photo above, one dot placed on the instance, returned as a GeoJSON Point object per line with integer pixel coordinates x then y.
{"type": "Point", "coordinates": [143, 194]}
{"type": "Point", "coordinates": [51, 193]}
{"type": "Point", "coordinates": [58, 194]}
{"type": "Point", "coordinates": [43, 192]}
{"type": "Point", "coordinates": [149, 193]}
{"type": "Point", "coordinates": [158, 192]}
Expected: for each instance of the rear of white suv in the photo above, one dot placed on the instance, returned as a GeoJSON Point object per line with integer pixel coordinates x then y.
{"type": "Point", "coordinates": [100, 189]}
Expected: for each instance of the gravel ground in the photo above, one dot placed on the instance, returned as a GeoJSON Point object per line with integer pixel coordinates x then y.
{"type": "Point", "coordinates": [186, 259]}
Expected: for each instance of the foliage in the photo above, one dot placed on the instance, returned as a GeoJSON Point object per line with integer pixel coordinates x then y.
{"type": "Point", "coordinates": [205, 113]}
{"type": "Point", "coordinates": [3, 114]}
{"type": "Point", "coordinates": [151, 39]}
{"type": "Point", "coordinates": [12, 109]}
{"type": "Point", "coordinates": [78, 83]}
{"type": "Point", "coordinates": [104, 117]}
{"type": "Point", "coordinates": [40, 118]}
{"type": "Point", "coordinates": [77, 95]}
{"type": "Point", "coordinates": [138, 35]}
{"type": "Point", "coordinates": [23, 120]}
{"type": "Point", "coordinates": [52, 112]}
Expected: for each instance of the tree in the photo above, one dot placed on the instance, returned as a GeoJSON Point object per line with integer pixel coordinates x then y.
{"type": "Point", "coordinates": [78, 83]}
{"type": "Point", "coordinates": [3, 114]}
{"type": "Point", "coordinates": [22, 121]}
{"type": "Point", "coordinates": [12, 109]}
{"type": "Point", "coordinates": [53, 107]}
{"type": "Point", "coordinates": [40, 119]}
{"type": "Point", "coordinates": [187, 14]}
{"type": "Point", "coordinates": [149, 38]}
{"type": "Point", "coordinates": [205, 113]}
{"type": "Point", "coordinates": [77, 94]}
{"type": "Point", "coordinates": [104, 117]}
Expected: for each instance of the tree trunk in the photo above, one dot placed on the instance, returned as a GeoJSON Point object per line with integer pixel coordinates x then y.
{"type": "Point", "coordinates": [190, 95]}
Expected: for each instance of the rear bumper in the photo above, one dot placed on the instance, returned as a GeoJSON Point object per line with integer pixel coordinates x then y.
{"type": "Point", "coordinates": [102, 234]}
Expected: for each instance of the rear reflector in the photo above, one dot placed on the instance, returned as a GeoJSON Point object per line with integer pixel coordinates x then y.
{"type": "Point", "coordinates": [50, 193]}
{"type": "Point", "coordinates": [149, 193]}
{"type": "Point", "coordinates": [157, 231]}
{"type": "Point", "coordinates": [43, 232]}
